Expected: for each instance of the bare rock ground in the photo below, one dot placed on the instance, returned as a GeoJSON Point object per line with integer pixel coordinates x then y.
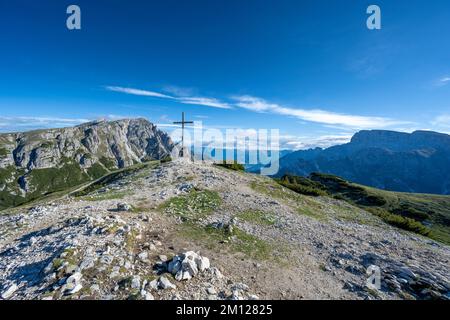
{"type": "Point", "coordinates": [262, 241]}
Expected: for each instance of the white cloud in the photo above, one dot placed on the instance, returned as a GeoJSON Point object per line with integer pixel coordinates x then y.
{"type": "Point", "coordinates": [209, 102]}
{"type": "Point", "coordinates": [201, 101]}
{"type": "Point", "coordinates": [138, 92]}
{"type": "Point", "coordinates": [304, 142]}
{"type": "Point", "coordinates": [442, 121]}
{"type": "Point", "coordinates": [318, 116]}
{"type": "Point", "coordinates": [179, 91]}
{"type": "Point", "coordinates": [442, 81]}
{"type": "Point", "coordinates": [260, 105]}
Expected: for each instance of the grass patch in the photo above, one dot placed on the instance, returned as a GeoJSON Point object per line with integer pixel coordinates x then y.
{"type": "Point", "coordinates": [303, 185]}
{"type": "Point", "coordinates": [108, 163]}
{"type": "Point", "coordinates": [114, 176]}
{"type": "Point", "coordinates": [231, 166]}
{"type": "Point", "coordinates": [166, 159]}
{"type": "Point", "coordinates": [138, 209]}
{"type": "Point", "coordinates": [258, 217]}
{"type": "Point", "coordinates": [112, 195]}
{"type": "Point", "coordinates": [192, 206]}
{"type": "Point", "coordinates": [130, 240]}
{"type": "Point", "coordinates": [274, 190]}
{"type": "Point", "coordinates": [3, 152]}
{"type": "Point", "coordinates": [318, 215]}
{"type": "Point", "coordinates": [345, 190]}
{"type": "Point", "coordinates": [97, 171]}
{"type": "Point", "coordinates": [238, 241]}
{"type": "Point", "coordinates": [45, 182]}
{"type": "Point", "coordinates": [56, 179]}
{"type": "Point", "coordinates": [427, 215]}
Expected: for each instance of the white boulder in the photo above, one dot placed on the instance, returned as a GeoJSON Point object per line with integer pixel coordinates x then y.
{"type": "Point", "coordinates": [187, 265]}
{"type": "Point", "coordinates": [9, 292]}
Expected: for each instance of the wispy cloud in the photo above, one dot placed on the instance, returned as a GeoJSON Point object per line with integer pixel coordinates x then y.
{"type": "Point", "coordinates": [304, 142]}
{"type": "Point", "coordinates": [260, 105]}
{"type": "Point", "coordinates": [442, 121]}
{"type": "Point", "coordinates": [315, 115]}
{"type": "Point", "coordinates": [443, 81]}
{"type": "Point", "coordinates": [209, 102]}
{"type": "Point", "coordinates": [179, 91]}
{"type": "Point", "coordinates": [138, 92]}
{"type": "Point", "coordinates": [201, 101]}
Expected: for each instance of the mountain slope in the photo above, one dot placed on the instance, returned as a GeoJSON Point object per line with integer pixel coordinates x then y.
{"type": "Point", "coordinates": [424, 214]}
{"type": "Point", "coordinates": [418, 162]}
{"type": "Point", "coordinates": [116, 240]}
{"type": "Point", "coordinates": [43, 161]}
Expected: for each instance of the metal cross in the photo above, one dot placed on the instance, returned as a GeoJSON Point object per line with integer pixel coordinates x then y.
{"type": "Point", "coordinates": [182, 122]}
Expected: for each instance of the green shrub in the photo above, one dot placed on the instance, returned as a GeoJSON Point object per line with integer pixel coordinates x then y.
{"type": "Point", "coordinates": [97, 171]}
{"type": "Point", "coordinates": [409, 212]}
{"type": "Point", "coordinates": [302, 185]}
{"type": "Point", "coordinates": [401, 222]}
{"type": "Point", "coordinates": [166, 159]}
{"type": "Point", "coordinates": [347, 191]}
{"type": "Point", "coordinates": [56, 179]}
{"type": "Point", "coordinates": [108, 163]}
{"type": "Point", "coordinates": [3, 152]}
{"type": "Point", "coordinates": [306, 190]}
{"type": "Point", "coordinates": [374, 200]}
{"type": "Point", "coordinates": [231, 166]}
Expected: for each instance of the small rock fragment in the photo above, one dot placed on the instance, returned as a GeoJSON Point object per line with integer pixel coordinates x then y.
{"type": "Point", "coordinates": [8, 293]}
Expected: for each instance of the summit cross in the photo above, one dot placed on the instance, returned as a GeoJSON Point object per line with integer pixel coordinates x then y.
{"type": "Point", "coordinates": [182, 122]}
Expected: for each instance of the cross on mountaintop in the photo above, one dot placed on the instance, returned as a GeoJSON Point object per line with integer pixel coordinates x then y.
{"type": "Point", "coordinates": [182, 122]}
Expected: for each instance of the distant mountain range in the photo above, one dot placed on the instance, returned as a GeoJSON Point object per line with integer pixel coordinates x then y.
{"type": "Point", "coordinates": [417, 162]}
{"type": "Point", "coordinates": [38, 162]}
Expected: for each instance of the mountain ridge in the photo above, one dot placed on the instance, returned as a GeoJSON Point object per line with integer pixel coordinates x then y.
{"type": "Point", "coordinates": [407, 162]}
{"type": "Point", "coordinates": [37, 162]}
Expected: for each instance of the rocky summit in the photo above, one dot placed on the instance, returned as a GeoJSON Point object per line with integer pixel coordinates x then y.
{"type": "Point", "coordinates": [184, 230]}
{"type": "Point", "coordinates": [43, 161]}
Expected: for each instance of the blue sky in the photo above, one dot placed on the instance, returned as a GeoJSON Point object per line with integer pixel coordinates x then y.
{"type": "Point", "coordinates": [309, 68]}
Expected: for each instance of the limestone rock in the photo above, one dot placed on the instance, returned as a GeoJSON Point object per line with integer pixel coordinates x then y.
{"type": "Point", "coordinates": [187, 265]}
{"type": "Point", "coordinates": [164, 283]}
{"type": "Point", "coordinates": [8, 293]}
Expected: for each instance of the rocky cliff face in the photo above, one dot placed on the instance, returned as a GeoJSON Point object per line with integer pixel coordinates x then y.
{"type": "Point", "coordinates": [38, 162]}
{"type": "Point", "coordinates": [416, 162]}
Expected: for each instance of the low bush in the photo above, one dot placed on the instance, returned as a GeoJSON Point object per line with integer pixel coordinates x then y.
{"type": "Point", "coordinates": [401, 222]}
{"type": "Point", "coordinates": [231, 166]}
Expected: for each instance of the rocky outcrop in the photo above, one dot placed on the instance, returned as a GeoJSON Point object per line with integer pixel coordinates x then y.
{"type": "Point", "coordinates": [37, 162]}
{"type": "Point", "coordinates": [416, 162]}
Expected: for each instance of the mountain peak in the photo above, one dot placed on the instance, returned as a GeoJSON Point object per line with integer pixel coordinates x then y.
{"type": "Point", "coordinates": [365, 136]}
{"type": "Point", "coordinates": [400, 141]}
{"type": "Point", "coordinates": [80, 153]}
